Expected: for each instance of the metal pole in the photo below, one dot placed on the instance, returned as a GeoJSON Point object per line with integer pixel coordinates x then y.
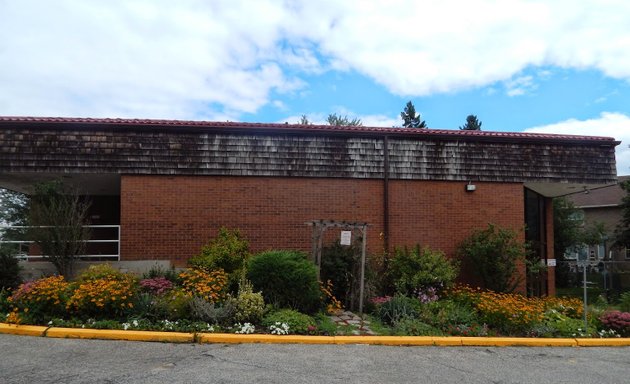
{"type": "Point", "coordinates": [362, 286]}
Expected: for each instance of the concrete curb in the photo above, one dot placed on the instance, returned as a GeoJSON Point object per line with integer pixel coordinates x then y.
{"type": "Point", "coordinates": [110, 334]}
{"type": "Point", "coordinates": [229, 338]}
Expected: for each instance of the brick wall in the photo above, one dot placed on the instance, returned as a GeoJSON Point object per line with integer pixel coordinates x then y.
{"type": "Point", "coordinates": [172, 217]}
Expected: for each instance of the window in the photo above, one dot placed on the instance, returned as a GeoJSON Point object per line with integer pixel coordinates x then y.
{"type": "Point", "coordinates": [601, 251]}
{"type": "Point", "coordinates": [627, 253]}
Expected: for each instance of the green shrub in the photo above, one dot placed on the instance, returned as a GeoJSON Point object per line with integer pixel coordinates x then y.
{"type": "Point", "coordinates": [325, 325]}
{"type": "Point", "coordinates": [624, 302]}
{"type": "Point", "coordinates": [9, 269]}
{"type": "Point", "coordinates": [286, 279]}
{"type": "Point", "coordinates": [408, 326]}
{"type": "Point", "coordinates": [299, 323]}
{"type": "Point", "coordinates": [228, 251]}
{"type": "Point", "coordinates": [101, 271]}
{"type": "Point", "coordinates": [175, 305]}
{"type": "Point", "coordinates": [493, 254]}
{"type": "Point", "coordinates": [560, 325]}
{"type": "Point", "coordinates": [418, 269]}
{"type": "Point", "coordinates": [397, 308]}
{"type": "Point", "coordinates": [249, 306]}
{"type": "Point", "coordinates": [447, 314]}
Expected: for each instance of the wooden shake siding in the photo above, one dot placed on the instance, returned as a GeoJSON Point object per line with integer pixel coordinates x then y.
{"type": "Point", "coordinates": [418, 157]}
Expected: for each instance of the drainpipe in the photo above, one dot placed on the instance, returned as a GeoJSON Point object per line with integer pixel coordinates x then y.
{"type": "Point", "coordinates": [385, 197]}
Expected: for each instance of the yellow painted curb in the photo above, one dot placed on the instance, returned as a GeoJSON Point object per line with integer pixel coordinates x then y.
{"type": "Point", "coordinates": [608, 342]}
{"type": "Point", "coordinates": [385, 340]}
{"type": "Point", "coordinates": [447, 341]}
{"type": "Point", "coordinates": [109, 334]}
{"type": "Point", "coordinates": [531, 342]}
{"type": "Point", "coordinates": [27, 330]}
{"type": "Point", "coordinates": [179, 337]}
{"type": "Point", "coordinates": [230, 338]}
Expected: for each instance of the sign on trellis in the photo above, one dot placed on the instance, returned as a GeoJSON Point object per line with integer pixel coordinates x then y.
{"type": "Point", "coordinates": [321, 226]}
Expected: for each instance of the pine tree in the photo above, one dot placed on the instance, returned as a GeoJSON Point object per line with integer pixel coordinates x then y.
{"type": "Point", "coordinates": [472, 124]}
{"type": "Point", "coordinates": [410, 118]}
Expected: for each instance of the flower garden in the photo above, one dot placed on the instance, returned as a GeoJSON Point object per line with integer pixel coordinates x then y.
{"type": "Point", "coordinates": [228, 290]}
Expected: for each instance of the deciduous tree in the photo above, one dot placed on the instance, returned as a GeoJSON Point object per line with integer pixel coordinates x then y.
{"type": "Point", "coordinates": [58, 216]}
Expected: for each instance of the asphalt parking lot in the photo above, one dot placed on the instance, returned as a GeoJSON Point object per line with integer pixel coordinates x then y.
{"type": "Point", "coordinates": [25, 359]}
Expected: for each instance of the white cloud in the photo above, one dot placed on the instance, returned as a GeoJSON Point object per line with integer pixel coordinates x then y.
{"type": "Point", "coordinates": [609, 124]}
{"type": "Point", "coordinates": [520, 85]}
{"type": "Point", "coordinates": [216, 59]}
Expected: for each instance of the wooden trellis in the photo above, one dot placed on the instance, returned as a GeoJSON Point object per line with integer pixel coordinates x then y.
{"type": "Point", "coordinates": [320, 227]}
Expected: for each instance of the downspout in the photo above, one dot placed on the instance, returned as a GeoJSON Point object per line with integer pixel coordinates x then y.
{"type": "Point", "coordinates": [385, 198]}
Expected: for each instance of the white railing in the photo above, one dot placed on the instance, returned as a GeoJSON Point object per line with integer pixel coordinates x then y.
{"type": "Point", "coordinates": [25, 256]}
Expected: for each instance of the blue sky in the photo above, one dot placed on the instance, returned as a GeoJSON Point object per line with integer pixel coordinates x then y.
{"type": "Point", "coordinates": [540, 66]}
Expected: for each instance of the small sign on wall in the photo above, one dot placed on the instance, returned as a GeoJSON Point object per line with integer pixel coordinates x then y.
{"type": "Point", "coordinates": [346, 238]}
{"type": "Point", "coordinates": [551, 262]}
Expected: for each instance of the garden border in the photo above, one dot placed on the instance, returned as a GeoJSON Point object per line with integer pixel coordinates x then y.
{"type": "Point", "coordinates": [228, 338]}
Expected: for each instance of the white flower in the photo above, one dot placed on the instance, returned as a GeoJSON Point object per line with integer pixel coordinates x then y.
{"type": "Point", "coordinates": [245, 329]}
{"type": "Point", "coordinates": [279, 328]}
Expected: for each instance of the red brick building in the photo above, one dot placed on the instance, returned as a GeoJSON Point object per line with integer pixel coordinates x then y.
{"type": "Point", "coordinates": [171, 184]}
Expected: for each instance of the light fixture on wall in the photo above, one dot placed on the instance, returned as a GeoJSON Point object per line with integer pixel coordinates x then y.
{"type": "Point", "coordinates": [470, 187]}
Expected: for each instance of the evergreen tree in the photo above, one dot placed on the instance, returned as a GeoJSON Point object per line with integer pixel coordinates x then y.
{"type": "Point", "coordinates": [343, 121]}
{"type": "Point", "coordinates": [472, 124]}
{"type": "Point", "coordinates": [410, 118]}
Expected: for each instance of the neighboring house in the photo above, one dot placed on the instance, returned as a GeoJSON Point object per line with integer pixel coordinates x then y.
{"type": "Point", "coordinates": [170, 185]}
{"type": "Point", "coordinates": [602, 206]}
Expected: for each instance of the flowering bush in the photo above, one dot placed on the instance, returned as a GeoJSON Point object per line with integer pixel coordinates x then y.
{"type": "Point", "coordinates": [157, 285]}
{"type": "Point", "coordinates": [427, 295]}
{"type": "Point", "coordinates": [39, 300]}
{"type": "Point", "coordinates": [513, 313]}
{"type": "Point", "coordinates": [210, 286]}
{"type": "Point", "coordinates": [110, 296]}
{"type": "Point", "coordinates": [332, 304]}
{"type": "Point", "coordinates": [617, 321]}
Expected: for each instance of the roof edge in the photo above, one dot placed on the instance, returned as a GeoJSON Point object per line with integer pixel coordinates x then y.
{"type": "Point", "coordinates": [454, 134]}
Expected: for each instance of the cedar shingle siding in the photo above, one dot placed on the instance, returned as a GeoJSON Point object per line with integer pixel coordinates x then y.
{"type": "Point", "coordinates": [436, 155]}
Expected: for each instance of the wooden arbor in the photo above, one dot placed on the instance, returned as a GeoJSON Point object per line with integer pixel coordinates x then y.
{"type": "Point", "coordinates": [320, 227]}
